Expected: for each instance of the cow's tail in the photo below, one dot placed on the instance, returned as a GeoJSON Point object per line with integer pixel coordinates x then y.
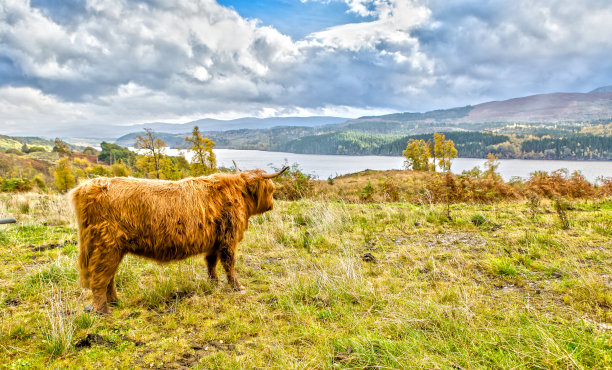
{"type": "Point", "coordinates": [78, 195]}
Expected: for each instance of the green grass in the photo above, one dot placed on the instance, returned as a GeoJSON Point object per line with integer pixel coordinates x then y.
{"type": "Point", "coordinates": [514, 291]}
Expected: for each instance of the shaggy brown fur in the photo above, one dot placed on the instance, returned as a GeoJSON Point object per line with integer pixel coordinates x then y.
{"type": "Point", "coordinates": [164, 221]}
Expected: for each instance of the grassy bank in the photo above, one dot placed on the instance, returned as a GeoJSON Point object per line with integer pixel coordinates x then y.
{"type": "Point", "coordinates": [329, 284]}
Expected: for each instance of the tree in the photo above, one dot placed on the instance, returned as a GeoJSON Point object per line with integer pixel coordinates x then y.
{"type": "Point", "coordinates": [153, 148]}
{"type": "Point", "coordinates": [25, 148]}
{"type": "Point", "coordinates": [113, 153]}
{"type": "Point", "coordinates": [417, 155]}
{"type": "Point", "coordinates": [444, 151]}
{"type": "Point", "coordinates": [438, 145]}
{"type": "Point", "coordinates": [204, 161]}
{"type": "Point", "coordinates": [64, 179]}
{"type": "Point", "coordinates": [448, 154]}
{"type": "Point", "coordinates": [120, 170]}
{"type": "Point", "coordinates": [89, 151]}
{"type": "Point", "coordinates": [491, 166]}
{"type": "Point", "coordinates": [61, 147]}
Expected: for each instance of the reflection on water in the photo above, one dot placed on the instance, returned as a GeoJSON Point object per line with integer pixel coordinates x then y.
{"type": "Point", "coordinates": [324, 166]}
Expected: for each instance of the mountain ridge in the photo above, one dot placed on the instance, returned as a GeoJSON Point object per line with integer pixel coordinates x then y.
{"type": "Point", "coordinates": [555, 107]}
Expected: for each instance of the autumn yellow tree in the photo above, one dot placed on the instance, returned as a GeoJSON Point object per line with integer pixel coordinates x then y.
{"type": "Point", "coordinates": [417, 155]}
{"type": "Point", "coordinates": [449, 152]}
{"type": "Point", "coordinates": [153, 149]}
{"type": "Point", "coordinates": [119, 169]}
{"type": "Point", "coordinates": [64, 179]}
{"type": "Point", "coordinates": [444, 151]}
{"type": "Point", "coordinates": [204, 161]}
{"type": "Point", "coordinates": [491, 166]}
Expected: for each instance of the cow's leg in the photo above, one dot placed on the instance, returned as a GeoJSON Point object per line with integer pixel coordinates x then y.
{"type": "Point", "coordinates": [111, 292]}
{"type": "Point", "coordinates": [211, 262]}
{"type": "Point", "coordinates": [102, 266]}
{"type": "Point", "coordinates": [228, 259]}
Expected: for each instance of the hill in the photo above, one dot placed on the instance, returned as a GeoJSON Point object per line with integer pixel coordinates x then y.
{"type": "Point", "coordinates": [16, 142]}
{"type": "Point", "coordinates": [555, 107]}
{"type": "Point", "coordinates": [602, 89]}
{"type": "Point", "coordinates": [110, 132]}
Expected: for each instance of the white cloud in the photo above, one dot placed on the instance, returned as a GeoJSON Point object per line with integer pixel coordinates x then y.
{"type": "Point", "coordinates": [137, 61]}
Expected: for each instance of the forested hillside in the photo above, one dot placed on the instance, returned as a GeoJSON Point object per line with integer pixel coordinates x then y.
{"type": "Point", "coordinates": [533, 142]}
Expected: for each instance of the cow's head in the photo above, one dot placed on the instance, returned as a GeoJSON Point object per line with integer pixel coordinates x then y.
{"type": "Point", "coordinates": [260, 188]}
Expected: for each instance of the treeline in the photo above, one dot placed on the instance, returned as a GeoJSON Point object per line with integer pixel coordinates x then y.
{"type": "Point", "coordinates": [577, 146]}
{"type": "Point", "coordinates": [64, 167]}
{"type": "Point", "coordinates": [469, 144]}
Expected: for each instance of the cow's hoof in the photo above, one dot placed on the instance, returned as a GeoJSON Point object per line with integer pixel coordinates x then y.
{"type": "Point", "coordinates": [239, 289]}
{"type": "Point", "coordinates": [103, 312]}
{"type": "Point", "coordinates": [88, 308]}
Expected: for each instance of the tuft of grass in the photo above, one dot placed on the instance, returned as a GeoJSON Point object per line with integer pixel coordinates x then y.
{"type": "Point", "coordinates": [59, 329]}
{"type": "Point", "coordinates": [478, 219]}
{"type": "Point", "coordinates": [85, 320]}
{"type": "Point", "coordinates": [503, 266]}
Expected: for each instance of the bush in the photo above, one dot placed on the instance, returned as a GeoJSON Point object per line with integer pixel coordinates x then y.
{"type": "Point", "coordinates": [16, 185]}
{"type": "Point", "coordinates": [561, 207]}
{"type": "Point", "coordinates": [367, 192]}
{"type": "Point", "coordinates": [99, 171]}
{"type": "Point", "coordinates": [36, 149]}
{"type": "Point", "coordinates": [14, 151]}
{"type": "Point", "coordinates": [40, 182]}
{"type": "Point", "coordinates": [391, 191]}
{"type": "Point", "coordinates": [560, 183]}
{"type": "Point", "coordinates": [293, 184]}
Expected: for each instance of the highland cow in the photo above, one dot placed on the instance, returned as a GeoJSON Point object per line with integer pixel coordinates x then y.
{"type": "Point", "coordinates": [164, 221]}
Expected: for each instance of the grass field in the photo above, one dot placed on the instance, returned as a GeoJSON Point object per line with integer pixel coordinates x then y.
{"type": "Point", "coordinates": [329, 285]}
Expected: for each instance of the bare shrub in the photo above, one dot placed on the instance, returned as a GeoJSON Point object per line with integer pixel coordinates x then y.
{"type": "Point", "coordinates": [561, 207]}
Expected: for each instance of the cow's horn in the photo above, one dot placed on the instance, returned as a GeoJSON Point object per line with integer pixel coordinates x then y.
{"type": "Point", "coordinates": [273, 175]}
{"type": "Point", "coordinates": [236, 166]}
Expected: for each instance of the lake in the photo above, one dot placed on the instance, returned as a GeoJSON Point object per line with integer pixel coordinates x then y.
{"type": "Point", "coordinates": [324, 166]}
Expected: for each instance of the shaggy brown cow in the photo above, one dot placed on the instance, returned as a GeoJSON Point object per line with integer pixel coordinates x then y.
{"type": "Point", "coordinates": [164, 221]}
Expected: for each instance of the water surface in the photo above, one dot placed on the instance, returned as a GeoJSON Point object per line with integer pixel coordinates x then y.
{"type": "Point", "coordinates": [324, 166]}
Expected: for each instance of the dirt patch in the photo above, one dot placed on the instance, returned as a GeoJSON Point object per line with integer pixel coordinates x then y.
{"type": "Point", "coordinates": [46, 247]}
{"type": "Point", "coordinates": [343, 356]}
{"type": "Point", "coordinates": [179, 295]}
{"type": "Point", "coordinates": [187, 360]}
{"type": "Point", "coordinates": [91, 339]}
{"type": "Point", "coordinates": [368, 257]}
{"type": "Point", "coordinates": [137, 343]}
{"type": "Point", "coordinates": [214, 345]}
{"type": "Point", "coordinates": [453, 240]}
{"type": "Point", "coordinates": [12, 302]}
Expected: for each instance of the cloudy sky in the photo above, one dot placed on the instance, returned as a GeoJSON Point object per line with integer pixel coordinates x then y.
{"type": "Point", "coordinates": [85, 62]}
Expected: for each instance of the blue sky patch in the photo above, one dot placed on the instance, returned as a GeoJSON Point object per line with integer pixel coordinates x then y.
{"type": "Point", "coordinates": [293, 17]}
